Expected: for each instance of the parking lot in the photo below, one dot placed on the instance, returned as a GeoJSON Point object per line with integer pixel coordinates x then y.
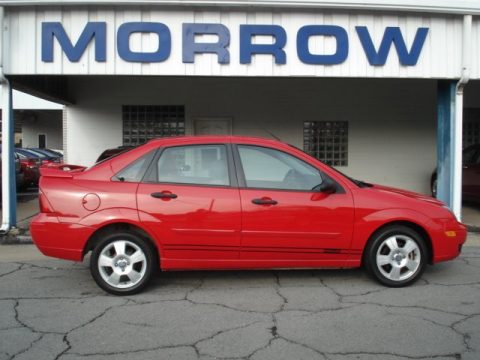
{"type": "Point", "coordinates": [52, 309]}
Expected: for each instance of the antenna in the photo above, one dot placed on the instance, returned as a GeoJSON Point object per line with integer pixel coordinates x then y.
{"type": "Point", "coordinates": [272, 134]}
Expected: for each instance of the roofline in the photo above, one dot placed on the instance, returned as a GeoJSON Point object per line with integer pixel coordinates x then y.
{"type": "Point", "coordinates": [429, 6]}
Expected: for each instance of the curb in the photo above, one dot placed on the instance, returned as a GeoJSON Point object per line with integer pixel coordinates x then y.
{"type": "Point", "coordinates": [16, 240]}
{"type": "Point", "coordinates": [16, 236]}
{"type": "Point", "coordinates": [473, 229]}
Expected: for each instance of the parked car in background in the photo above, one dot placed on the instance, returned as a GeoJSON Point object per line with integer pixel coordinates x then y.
{"type": "Point", "coordinates": [225, 202]}
{"type": "Point", "coordinates": [57, 151]}
{"type": "Point", "coordinates": [470, 175]}
{"type": "Point", "coordinates": [112, 152]}
{"type": "Point", "coordinates": [19, 175]}
{"type": "Point", "coordinates": [47, 158]}
{"type": "Point", "coordinates": [56, 157]}
{"type": "Point", "coordinates": [30, 166]}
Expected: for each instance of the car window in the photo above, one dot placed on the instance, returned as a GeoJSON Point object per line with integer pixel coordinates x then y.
{"type": "Point", "coordinates": [273, 169]}
{"type": "Point", "coordinates": [470, 156]}
{"type": "Point", "coordinates": [135, 171]}
{"type": "Point", "coordinates": [195, 164]}
{"type": "Point", "coordinates": [476, 158]}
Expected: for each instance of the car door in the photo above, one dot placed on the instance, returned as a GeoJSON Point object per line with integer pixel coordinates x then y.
{"type": "Point", "coordinates": [283, 217]}
{"type": "Point", "coordinates": [190, 201]}
{"type": "Point", "coordinates": [471, 173]}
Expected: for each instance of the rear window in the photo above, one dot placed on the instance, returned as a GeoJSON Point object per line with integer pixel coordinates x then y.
{"type": "Point", "coordinates": [136, 170]}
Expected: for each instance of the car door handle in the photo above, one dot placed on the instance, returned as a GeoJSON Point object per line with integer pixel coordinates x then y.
{"type": "Point", "coordinates": [164, 195]}
{"type": "Point", "coordinates": [264, 201]}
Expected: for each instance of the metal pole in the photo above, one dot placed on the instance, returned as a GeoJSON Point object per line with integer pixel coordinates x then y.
{"type": "Point", "coordinates": [458, 119]}
{"type": "Point", "coordinates": [8, 162]}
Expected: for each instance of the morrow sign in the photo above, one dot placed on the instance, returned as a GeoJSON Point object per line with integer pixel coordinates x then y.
{"type": "Point", "coordinates": [97, 32]}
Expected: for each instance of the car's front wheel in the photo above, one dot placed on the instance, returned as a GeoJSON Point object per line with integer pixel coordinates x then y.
{"type": "Point", "coordinates": [122, 263]}
{"type": "Point", "coordinates": [396, 256]}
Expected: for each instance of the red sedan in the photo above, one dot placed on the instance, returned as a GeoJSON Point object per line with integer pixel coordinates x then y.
{"type": "Point", "coordinates": [234, 203]}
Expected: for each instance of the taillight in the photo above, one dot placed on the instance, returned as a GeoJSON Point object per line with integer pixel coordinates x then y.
{"type": "Point", "coordinates": [45, 206]}
{"type": "Point", "coordinates": [31, 164]}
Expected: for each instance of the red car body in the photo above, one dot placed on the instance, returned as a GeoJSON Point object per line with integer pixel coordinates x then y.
{"type": "Point", "coordinates": [218, 227]}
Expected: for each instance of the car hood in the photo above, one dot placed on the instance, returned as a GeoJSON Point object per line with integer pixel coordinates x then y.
{"type": "Point", "coordinates": [407, 193]}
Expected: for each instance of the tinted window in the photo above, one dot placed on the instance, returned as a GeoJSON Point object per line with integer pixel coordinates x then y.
{"type": "Point", "coordinates": [135, 171]}
{"type": "Point", "coordinates": [470, 156]}
{"type": "Point", "coordinates": [273, 169]}
{"type": "Point", "coordinates": [198, 164]}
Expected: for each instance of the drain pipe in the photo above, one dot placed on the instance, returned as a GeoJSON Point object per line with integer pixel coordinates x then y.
{"type": "Point", "coordinates": [8, 174]}
{"type": "Point", "coordinates": [458, 123]}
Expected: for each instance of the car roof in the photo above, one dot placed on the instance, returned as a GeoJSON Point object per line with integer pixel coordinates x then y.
{"type": "Point", "coordinates": [213, 138]}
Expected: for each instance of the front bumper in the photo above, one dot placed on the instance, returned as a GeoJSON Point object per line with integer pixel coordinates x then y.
{"type": "Point", "coordinates": [60, 240]}
{"type": "Point", "coordinates": [448, 242]}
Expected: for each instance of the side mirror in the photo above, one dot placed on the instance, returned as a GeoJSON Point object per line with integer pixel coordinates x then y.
{"type": "Point", "coordinates": [327, 186]}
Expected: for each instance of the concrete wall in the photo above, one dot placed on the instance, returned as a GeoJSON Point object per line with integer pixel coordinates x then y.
{"type": "Point", "coordinates": [48, 122]}
{"type": "Point", "coordinates": [392, 123]}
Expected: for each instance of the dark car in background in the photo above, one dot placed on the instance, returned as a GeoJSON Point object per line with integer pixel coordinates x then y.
{"type": "Point", "coordinates": [113, 152]}
{"type": "Point", "coordinates": [470, 175]}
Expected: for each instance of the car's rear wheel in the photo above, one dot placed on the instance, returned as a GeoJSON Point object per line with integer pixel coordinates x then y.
{"type": "Point", "coordinates": [396, 256]}
{"type": "Point", "coordinates": [122, 263]}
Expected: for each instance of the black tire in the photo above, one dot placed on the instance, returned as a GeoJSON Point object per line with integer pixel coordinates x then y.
{"type": "Point", "coordinates": [434, 186]}
{"type": "Point", "coordinates": [123, 266]}
{"type": "Point", "coordinates": [378, 250]}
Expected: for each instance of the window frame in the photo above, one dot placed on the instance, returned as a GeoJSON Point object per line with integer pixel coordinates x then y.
{"type": "Point", "coordinates": [243, 182]}
{"type": "Point", "coordinates": [150, 174]}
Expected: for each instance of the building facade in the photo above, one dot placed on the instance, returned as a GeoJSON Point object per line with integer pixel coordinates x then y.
{"type": "Point", "coordinates": [374, 88]}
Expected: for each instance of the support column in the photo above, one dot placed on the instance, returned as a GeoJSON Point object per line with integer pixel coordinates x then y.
{"type": "Point", "coordinates": [445, 120]}
{"type": "Point", "coordinates": [449, 145]}
{"type": "Point", "coordinates": [9, 188]}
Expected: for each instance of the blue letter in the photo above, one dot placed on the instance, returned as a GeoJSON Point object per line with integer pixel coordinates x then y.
{"type": "Point", "coordinates": [307, 57]}
{"type": "Point", "coordinates": [92, 30]}
{"type": "Point", "coordinates": [190, 47]}
{"type": "Point", "coordinates": [392, 35]}
{"type": "Point", "coordinates": [275, 49]}
{"type": "Point", "coordinates": [164, 41]}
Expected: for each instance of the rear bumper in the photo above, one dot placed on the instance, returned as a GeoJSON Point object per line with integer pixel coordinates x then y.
{"type": "Point", "coordinates": [60, 240]}
{"type": "Point", "coordinates": [448, 243]}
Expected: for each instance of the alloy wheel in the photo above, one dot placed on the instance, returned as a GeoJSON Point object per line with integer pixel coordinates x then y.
{"type": "Point", "coordinates": [398, 257]}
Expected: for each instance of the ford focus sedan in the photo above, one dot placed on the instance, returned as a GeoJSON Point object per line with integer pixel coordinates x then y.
{"type": "Point", "coordinates": [234, 203]}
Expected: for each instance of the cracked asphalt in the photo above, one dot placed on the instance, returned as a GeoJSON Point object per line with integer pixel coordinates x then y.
{"type": "Point", "coordinates": [52, 309]}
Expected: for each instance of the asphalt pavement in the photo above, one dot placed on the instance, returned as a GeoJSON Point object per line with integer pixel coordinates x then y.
{"type": "Point", "coordinates": [52, 309]}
